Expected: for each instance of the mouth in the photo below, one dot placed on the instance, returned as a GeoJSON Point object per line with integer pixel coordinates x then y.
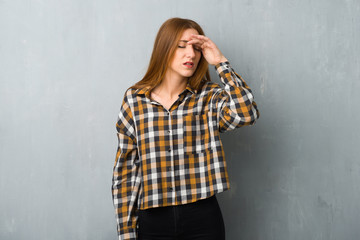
{"type": "Point", "coordinates": [189, 64]}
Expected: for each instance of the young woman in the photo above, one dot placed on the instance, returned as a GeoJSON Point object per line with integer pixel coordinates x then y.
{"type": "Point", "coordinates": [170, 161]}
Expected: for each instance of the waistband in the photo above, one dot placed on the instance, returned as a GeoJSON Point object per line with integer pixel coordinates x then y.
{"type": "Point", "coordinates": [203, 201]}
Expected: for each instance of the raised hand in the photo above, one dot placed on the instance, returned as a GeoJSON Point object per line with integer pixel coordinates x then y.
{"type": "Point", "coordinates": [210, 51]}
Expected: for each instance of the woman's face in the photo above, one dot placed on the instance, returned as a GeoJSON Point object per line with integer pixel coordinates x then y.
{"type": "Point", "coordinates": [186, 57]}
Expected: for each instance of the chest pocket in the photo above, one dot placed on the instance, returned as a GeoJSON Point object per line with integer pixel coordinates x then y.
{"type": "Point", "coordinates": [198, 133]}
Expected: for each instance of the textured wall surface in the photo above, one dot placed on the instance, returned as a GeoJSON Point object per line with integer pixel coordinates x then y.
{"type": "Point", "coordinates": [65, 65]}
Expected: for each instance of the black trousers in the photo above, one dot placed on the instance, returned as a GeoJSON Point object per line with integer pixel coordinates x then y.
{"type": "Point", "coordinates": [200, 220]}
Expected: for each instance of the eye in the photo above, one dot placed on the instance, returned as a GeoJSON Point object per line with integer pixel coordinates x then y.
{"type": "Point", "coordinates": [181, 45]}
{"type": "Point", "coordinates": [197, 49]}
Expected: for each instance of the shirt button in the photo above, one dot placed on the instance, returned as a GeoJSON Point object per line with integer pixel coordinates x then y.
{"type": "Point", "coordinates": [169, 149]}
{"type": "Point", "coordinates": [169, 131]}
{"type": "Point", "coordinates": [170, 189]}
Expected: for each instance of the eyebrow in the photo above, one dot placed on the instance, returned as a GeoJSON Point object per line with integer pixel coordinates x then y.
{"type": "Point", "coordinates": [183, 41]}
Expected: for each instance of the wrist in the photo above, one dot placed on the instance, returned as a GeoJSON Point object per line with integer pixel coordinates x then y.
{"type": "Point", "coordinates": [221, 60]}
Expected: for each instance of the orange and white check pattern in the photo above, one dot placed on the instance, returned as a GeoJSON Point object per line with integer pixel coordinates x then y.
{"type": "Point", "coordinates": [175, 156]}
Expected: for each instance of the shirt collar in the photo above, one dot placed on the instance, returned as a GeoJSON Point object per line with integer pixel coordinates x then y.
{"type": "Point", "coordinates": [145, 90]}
{"type": "Point", "coordinates": [192, 90]}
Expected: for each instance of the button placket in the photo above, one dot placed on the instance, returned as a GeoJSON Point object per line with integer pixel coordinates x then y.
{"type": "Point", "coordinates": [169, 168]}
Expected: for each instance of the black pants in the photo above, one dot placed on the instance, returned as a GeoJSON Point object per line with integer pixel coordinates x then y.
{"type": "Point", "coordinates": [200, 220]}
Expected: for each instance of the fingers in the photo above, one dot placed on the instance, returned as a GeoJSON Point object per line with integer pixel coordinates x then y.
{"type": "Point", "coordinates": [195, 41]}
{"type": "Point", "coordinates": [201, 40]}
{"type": "Point", "coordinates": [200, 37]}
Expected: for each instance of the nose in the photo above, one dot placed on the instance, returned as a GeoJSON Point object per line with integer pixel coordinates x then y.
{"type": "Point", "coordinates": [190, 51]}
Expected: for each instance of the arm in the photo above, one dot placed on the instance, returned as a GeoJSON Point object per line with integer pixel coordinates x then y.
{"type": "Point", "coordinates": [235, 103]}
{"type": "Point", "coordinates": [126, 175]}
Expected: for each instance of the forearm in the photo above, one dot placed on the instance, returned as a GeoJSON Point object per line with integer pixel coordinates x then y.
{"type": "Point", "coordinates": [235, 103]}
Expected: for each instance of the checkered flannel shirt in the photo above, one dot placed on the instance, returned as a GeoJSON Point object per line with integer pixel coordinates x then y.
{"type": "Point", "coordinates": [171, 157]}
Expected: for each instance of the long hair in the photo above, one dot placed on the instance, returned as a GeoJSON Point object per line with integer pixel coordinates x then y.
{"type": "Point", "coordinates": [166, 43]}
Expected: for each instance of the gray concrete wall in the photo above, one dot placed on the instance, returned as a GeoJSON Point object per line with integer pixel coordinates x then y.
{"type": "Point", "coordinates": [64, 67]}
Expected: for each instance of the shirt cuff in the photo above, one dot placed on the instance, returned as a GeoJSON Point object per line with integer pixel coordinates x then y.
{"type": "Point", "coordinates": [222, 64]}
{"type": "Point", "coordinates": [128, 234]}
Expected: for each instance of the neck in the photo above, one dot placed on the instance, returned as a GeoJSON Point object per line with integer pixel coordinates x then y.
{"type": "Point", "coordinates": [171, 87]}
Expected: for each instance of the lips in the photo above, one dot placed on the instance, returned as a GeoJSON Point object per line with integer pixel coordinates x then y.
{"type": "Point", "coordinates": [188, 64]}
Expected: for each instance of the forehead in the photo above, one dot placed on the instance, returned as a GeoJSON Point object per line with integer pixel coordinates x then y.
{"type": "Point", "coordinates": [186, 35]}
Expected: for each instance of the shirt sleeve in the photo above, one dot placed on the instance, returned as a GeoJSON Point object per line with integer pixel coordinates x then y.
{"type": "Point", "coordinates": [234, 103]}
{"type": "Point", "coordinates": [126, 175]}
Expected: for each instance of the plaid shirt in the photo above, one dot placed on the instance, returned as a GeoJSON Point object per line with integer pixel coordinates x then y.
{"type": "Point", "coordinates": [171, 157]}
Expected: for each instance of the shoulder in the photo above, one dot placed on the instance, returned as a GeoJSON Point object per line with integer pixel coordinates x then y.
{"type": "Point", "coordinates": [129, 94]}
